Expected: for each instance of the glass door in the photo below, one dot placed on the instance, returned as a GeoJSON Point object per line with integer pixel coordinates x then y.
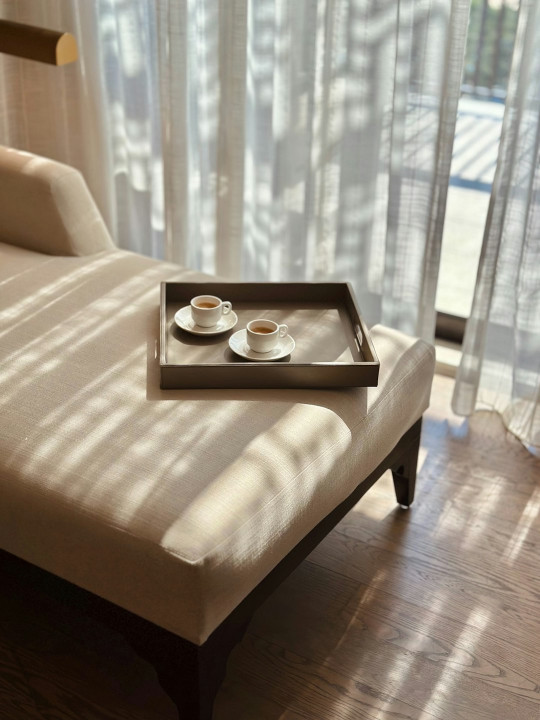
{"type": "Point", "coordinates": [490, 43]}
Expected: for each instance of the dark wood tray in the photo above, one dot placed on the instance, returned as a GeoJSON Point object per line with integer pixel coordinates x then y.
{"type": "Point", "coordinates": [333, 346]}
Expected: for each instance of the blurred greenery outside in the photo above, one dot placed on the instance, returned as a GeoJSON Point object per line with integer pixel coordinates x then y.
{"type": "Point", "coordinates": [492, 28]}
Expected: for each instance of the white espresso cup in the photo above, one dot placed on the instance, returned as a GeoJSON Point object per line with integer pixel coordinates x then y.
{"type": "Point", "coordinates": [206, 310]}
{"type": "Point", "coordinates": [263, 335]}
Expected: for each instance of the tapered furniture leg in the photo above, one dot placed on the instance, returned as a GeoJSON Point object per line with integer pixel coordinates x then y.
{"type": "Point", "coordinates": [191, 674]}
{"type": "Point", "coordinates": [191, 678]}
{"type": "Point", "coordinates": [186, 681]}
{"type": "Point", "coordinates": [404, 470]}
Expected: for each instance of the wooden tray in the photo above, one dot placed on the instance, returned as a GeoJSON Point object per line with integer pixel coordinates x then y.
{"type": "Point", "coordinates": [333, 346]}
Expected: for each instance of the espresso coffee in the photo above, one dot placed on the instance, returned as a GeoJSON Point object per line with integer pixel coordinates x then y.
{"type": "Point", "coordinates": [208, 310]}
{"type": "Point", "coordinates": [263, 335]}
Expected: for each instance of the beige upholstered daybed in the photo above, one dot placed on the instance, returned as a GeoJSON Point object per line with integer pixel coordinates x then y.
{"type": "Point", "coordinates": [180, 508]}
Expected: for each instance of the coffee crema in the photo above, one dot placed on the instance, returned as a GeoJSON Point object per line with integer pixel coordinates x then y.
{"type": "Point", "coordinates": [206, 304]}
{"type": "Point", "coordinates": [262, 329]}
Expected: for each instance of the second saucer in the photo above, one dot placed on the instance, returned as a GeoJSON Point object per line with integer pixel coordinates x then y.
{"type": "Point", "coordinates": [238, 343]}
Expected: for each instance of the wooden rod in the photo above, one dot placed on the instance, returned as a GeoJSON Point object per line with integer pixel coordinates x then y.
{"type": "Point", "coordinates": [35, 43]}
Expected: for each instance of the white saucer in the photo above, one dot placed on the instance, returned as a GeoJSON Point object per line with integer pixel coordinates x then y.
{"type": "Point", "coordinates": [238, 343]}
{"type": "Point", "coordinates": [184, 320]}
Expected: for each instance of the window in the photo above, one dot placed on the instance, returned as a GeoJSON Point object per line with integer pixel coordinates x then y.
{"type": "Point", "coordinates": [487, 65]}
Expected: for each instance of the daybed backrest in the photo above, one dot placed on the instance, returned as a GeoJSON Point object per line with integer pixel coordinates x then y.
{"type": "Point", "coordinates": [46, 206]}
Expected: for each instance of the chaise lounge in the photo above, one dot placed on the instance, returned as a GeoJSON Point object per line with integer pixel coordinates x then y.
{"type": "Point", "coordinates": [171, 513]}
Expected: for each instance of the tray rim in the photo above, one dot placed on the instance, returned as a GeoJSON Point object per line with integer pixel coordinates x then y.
{"type": "Point", "coordinates": [348, 294]}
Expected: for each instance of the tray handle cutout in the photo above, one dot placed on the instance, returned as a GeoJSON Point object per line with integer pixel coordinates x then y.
{"type": "Point", "coordinates": [358, 337]}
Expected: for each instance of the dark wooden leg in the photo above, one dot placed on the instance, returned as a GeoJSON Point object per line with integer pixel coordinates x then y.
{"type": "Point", "coordinates": [191, 674]}
{"type": "Point", "coordinates": [404, 469]}
{"type": "Point", "coordinates": [180, 667]}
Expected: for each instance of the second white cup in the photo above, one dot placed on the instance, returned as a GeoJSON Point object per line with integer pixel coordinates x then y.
{"type": "Point", "coordinates": [263, 335]}
{"type": "Point", "coordinates": [206, 310]}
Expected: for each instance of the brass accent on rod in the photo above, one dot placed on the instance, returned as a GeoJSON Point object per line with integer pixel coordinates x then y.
{"type": "Point", "coordinates": [35, 43]}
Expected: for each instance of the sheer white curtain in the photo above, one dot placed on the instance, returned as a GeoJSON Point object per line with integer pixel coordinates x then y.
{"type": "Point", "coordinates": [259, 139]}
{"type": "Point", "coordinates": [500, 368]}
{"type": "Point", "coordinates": [100, 114]}
{"type": "Point", "coordinates": [311, 140]}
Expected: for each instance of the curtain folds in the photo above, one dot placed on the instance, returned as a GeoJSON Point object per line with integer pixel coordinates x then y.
{"type": "Point", "coordinates": [500, 368]}
{"type": "Point", "coordinates": [312, 140]}
{"type": "Point", "coordinates": [258, 139]}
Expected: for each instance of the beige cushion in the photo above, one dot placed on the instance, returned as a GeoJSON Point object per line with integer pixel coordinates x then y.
{"type": "Point", "coordinates": [173, 504]}
{"type": "Point", "coordinates": [46, 206]}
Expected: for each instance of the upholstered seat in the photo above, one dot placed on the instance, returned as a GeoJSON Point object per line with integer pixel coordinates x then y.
{"type": "Point", "coordinates": [193, 495]}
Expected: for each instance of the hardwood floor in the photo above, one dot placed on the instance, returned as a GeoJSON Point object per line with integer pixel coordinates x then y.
{"type": "Point", "coordinates": [431, 613]}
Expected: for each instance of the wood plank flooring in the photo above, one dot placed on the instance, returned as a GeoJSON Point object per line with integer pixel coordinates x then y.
{"type": "Point", "coordinates": [426, 614]}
